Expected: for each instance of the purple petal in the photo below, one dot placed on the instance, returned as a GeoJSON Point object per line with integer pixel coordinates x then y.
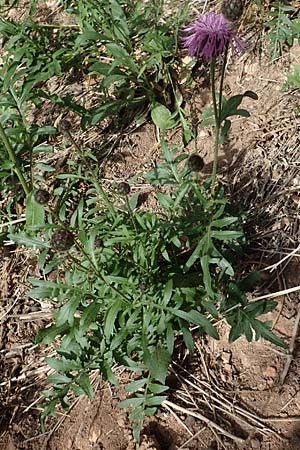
{"type": "Point", "coordinates": [209, 35]}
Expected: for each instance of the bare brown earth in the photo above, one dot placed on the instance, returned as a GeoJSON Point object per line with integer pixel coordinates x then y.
{"type": "Point", "coordinates": [236, 387]}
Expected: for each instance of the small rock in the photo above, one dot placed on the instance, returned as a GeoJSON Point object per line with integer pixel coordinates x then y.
{"type": "Point", "coordinates": [189, 421]}
{"type": "Point", "coordinates": [93, 436]}
{"type": "Point", "coordinates": [226, 357]}
{"type": "Point", "coordinates": [270, 372]}
{"type": "Point", "coordinates": [255, 444]}
{"type": "Point", "coordinates": [121, 421]}
{"type": "Point", "coordinates": [202, 134]}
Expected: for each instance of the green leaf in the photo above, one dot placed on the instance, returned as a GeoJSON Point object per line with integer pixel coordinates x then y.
{"type": "Point", "coordinates": [87, 36]}
{"type": "Point", "coordinates": [134, 386]}
{"type": "Point", "coordinates": [251, 94]}
{"type": "Point", "coordinates": [210, 307]}
{"type": "Point", "coordinates": [156, 400]}
{"type": "Point", "coordinates": [108, 374]}
{"type": "Point", "coordinates": [225, 222]}
{"type": "Point", "coordinates": [42, 149]}
{"type": "Point", "coordinates": [89, 315]}
{"type": "Point", "coordinates": [62, 365]}
{"type": "Point", "coordinates": [45, 167]}
{"type": "Point", "coordinates": [194, 256]}
{"type": "Point", "coordinates": [122, 57]}
{"type": "Point", "coordinates": [67, 311]}
{"type": "Point", "coordinates": [35, 213]}
{"type": "Point", "coordinates": [44, 291]}
{"type": "Point", "coordinates": [260, 307]}
{"type": "Point", "coordinates": [162, 117]}
{"type": "Point", "coordinates": [188, 339]}
{"type": "Point", "coordinates": [242, 112]}
{"type": "Point", "coordinates": [170, 338]}
{"type": "Point", "coordinates": [131, 402]}
{"type": "Point", "coordinates": [234, 334]}
{"type": "Point", "coordinates": [262, 330]}
{"type": "Point", "coordinates": [137, 414]}
{"type": "Point", "coordinates": [205, 261]}
{"type": "Point", "coordinates": [137, 427]}
{"type": "Point", "coordinates": [226, 266]}
{"type": "Point", "coordinates": [198, 319]}
{"type": "Point", "coordinates": [109, 321]}
{"type": "Point", "coordinates": [23, 239]}
{"type": "Point", "coordinates": [150, 411]}
{"type": "Point", "coordinates": [85, 383]}
{"type": "Point", "coordinates": [248, 331]}
{"type": "Point", "coordinates": [58, 379]}
{"type": "Point", "coordinates": [226, 235]}
{"type": "Point", "coordinates": [133, 201]}
{"type": "Point", "coordinates": [47, 335]}
{"type": "Point", "coordinates": [249, 281]}
{"type": "Point", "coordinates": [78, 391]}
{"type": "Point", "coordinates": [92, 117]}
{"type": "Point", "coordinates": [157, 362]}
{"type": "Point", "coordinates": [164, 200]}
{"type": "Point", "coordinates": [100, 67]}
{"type": "Point", "coordinates": [157, 388]}
{"type": "Point", "coordinates": [207, 117]}
{"type": "Point", "coordinates": [168, 292]}
{"type": "Point", "coordinates": [229, 107]}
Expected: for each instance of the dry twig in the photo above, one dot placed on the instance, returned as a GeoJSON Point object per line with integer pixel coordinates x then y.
{"type": "Point", "coordinates": [293, 253]}
{"type": "Point", "coordinates": [204, 419]}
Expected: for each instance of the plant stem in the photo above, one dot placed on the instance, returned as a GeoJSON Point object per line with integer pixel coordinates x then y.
{"type": "Point", "coordinates": [222, 82]}
{"type": "Point", "coordinates": [80, 248]}
{"type": "Point", "coordinates": [217, 113]}
{"type": "Point", "coordinates": [217, 124]}
{"type": "Point", "coordinates": [14, 160]}
{"type": "Point", "coordinates": [94, 178]}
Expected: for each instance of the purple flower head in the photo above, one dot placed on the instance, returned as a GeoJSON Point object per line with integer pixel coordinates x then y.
{"type": "Point", "coordinates": [209, 36]}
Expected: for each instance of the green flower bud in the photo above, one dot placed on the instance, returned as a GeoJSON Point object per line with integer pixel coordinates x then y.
{"type": "Point", "coordinates": [232, 9]}
{"type": "Point", "coordinates": [195, 163]}
{"type": "Point", "coordinates": [123, 188]}
{"type": "Point", "coordinates": [42, 197]}
{"type": "Point", "coordinates": [62, 240]}
{"type": "Point", "coordinates": [64, 125]}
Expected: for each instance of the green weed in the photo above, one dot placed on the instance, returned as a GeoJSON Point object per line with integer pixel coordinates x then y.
{"type": "Point", "coordinates": [283, 25]}
{"type": "Point", "coordinates": [132, 281]}
{"type": "Point", "coordinates": [129, 281]}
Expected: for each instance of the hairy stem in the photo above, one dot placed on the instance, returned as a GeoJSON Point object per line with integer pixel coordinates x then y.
{"type": "Point", "coordinates": [217, 112]}
{"type": "Point", "coordinates": [217, 123]}
{"type": "Point", "coordinates": [14, 160]}
{"type": "Point", "coordinates": [222, 82]}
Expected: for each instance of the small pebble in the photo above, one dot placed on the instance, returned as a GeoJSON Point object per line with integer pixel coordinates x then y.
{"type": "Point", "coordinates": [270, 372]}
{"type": "Point", "coordinates": [255, 444]}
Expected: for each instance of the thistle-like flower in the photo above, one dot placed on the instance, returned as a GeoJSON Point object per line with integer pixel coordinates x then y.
{"type": "Point", "coordinates": [209, 36]}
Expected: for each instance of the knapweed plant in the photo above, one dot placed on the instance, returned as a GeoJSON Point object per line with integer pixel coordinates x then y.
{"type": "Point", "coordinates": [210, 37]}
{"type": "Point", "coordinates": [130, 282]}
